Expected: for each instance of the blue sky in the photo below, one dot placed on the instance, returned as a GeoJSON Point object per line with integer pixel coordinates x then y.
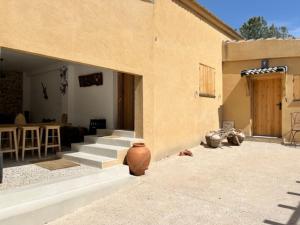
{"type": "Point", "coordinates": [236, 12]}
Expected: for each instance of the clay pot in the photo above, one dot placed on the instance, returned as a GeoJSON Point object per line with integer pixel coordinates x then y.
{"type": "Point", "coordinates": [213, 139]}
{"type": "Point", "coordinates": [138, 159]}
{"type": "Point", "coordinates": [232, 138]}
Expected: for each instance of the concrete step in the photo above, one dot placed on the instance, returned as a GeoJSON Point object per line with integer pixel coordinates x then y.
{"type": "Point", "coordinates": [113, 151]}
{"type": "Point", "coordinates": [112, 140]}
{"type": "Point", "coordinates": [103, 150]}
{"type": "Point", "coordinates": [264, 139]}
{"type": "Point", "coordinates": [111, 132]}
{"type": "Point", "coordinates": [41, 203]}
{"type": "Point", "coordinates": [91, 159]}
{"type": "Point", "coordinates": [104, 132]}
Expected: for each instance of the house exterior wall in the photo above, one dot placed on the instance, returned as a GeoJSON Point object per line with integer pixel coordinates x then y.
{"type": "Point", "coordinates": [261, 49]}
{"type": "Point", "coordinates": [164, 42]}
{"type": "Point", "coordinates": [111, 34]}
{"type": "Point", "coordinates": [183, 40]}
{"type": "Point", "coordinates": [237, 101]}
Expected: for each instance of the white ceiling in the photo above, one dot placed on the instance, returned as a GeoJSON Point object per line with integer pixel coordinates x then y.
{"type": "Point", "coordinates": [23, 62]}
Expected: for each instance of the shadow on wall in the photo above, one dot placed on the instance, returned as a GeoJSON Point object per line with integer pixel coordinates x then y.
{"type": "Point", "coordinates": [287, 136]}
{"type": "Point", "coordinates": [294, 218]}
{"type": "Point", "coordinates": [220, 115]}
{"type": "Point", "coordinates": [236, 106]}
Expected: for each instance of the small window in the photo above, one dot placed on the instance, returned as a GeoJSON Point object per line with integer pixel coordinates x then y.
{"type": "Point", "coordinates": [207, 81]}
{"type": "Point", "coordinates": [296, 87]}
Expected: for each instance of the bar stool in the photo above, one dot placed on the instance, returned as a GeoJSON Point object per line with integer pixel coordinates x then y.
{"type": "Point", "coordinates": [12, 138]}
{"type": "Point", "coordinates": [52, 132]}
{"type": "Point", "coordinates": [34, 139]}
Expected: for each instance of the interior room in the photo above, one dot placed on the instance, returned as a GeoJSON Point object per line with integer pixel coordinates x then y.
{"type": "Point", "coordinates": [79, 98]}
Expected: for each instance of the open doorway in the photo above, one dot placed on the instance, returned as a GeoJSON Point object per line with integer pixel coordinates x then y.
{"type": "Point", "coordinates": [126, 101]}
{"type": "Point", "coordinates": [49, 90]}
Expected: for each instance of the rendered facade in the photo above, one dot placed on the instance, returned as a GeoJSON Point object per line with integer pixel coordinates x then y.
{"type": "Point", "coordinates": [163, 43]}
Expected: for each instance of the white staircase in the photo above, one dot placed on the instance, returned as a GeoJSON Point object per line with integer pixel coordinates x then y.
{"type": "Point", "coordinates": [106, 149]}
{"type": "Point", "coordinates": [41, 203]}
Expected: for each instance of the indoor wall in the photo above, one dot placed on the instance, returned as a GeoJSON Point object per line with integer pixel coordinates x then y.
{"type": "Point", "coordinates": [11, 99]}
{"type": "Point", "coordinates": [80, 103]}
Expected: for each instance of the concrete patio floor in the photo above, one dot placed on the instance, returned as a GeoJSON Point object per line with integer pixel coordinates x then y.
{"type": "Point", "coordinates": [251, 184]}
{"type": "Point", "coordinates": [23, 173]}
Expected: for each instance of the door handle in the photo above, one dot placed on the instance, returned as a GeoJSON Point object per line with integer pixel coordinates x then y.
{"type": "Point", "coordinates": [280, 105]}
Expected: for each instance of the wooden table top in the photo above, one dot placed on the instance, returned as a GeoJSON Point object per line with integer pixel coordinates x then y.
{"type": "Point", "coordinates": [33, 125]}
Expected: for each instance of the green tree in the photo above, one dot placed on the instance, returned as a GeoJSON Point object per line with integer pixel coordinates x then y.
{"type": "Point", "coordinates": [257, 27]}
{"type": "Point", "coordinates": [284, 32]}
{"type": "Point", "coordinates": [273, 31]}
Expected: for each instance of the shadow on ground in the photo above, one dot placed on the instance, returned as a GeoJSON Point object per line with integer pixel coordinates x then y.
{"type": "Point", "coordinates": [294, 218]}
{"type": "Point", "coordinates": [224, 144]}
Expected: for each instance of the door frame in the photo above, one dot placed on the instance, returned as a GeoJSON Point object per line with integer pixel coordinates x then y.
{"type": "Point", "coordinates": [251, 90]}
{"type": "Point", "coordinates": [126, 121]}
{"type": "Point", "coordinates": [138, 104]}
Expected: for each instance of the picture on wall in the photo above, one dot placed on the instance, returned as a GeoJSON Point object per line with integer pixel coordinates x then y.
{"type": "Point", "coordinates": [91, 79]}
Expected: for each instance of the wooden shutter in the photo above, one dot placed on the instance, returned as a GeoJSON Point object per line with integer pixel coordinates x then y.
{"type": "Point", "coordinates": [206, 81]}
{"type": "Point", "coordinates": [296, 87]}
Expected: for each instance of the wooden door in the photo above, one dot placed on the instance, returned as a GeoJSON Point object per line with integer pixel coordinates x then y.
{"type": "Point", "coordinates": [267, 107]}
{"type": "Point", "coordinates": [125, 101]}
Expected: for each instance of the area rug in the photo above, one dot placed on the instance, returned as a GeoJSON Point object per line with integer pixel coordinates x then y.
{"type": "Point", "coordinates": [56, 164]}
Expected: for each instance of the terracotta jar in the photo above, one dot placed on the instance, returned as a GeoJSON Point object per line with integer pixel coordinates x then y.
{"type": "Point", "coordinates": [138, 159]}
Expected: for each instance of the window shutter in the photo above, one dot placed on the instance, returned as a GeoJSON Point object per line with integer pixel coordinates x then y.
{"type": "Point", "coordinates": [296, 87]}
{"type": "Point", "coordinates": [207, 81]}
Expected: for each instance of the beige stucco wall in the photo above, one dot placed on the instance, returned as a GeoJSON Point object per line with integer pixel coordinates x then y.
{"type": "Point", "coordinates": [236, 97]}
{"type": "Point", "coordinates": [164, 42]}
{"type": "Point", "coordinates": [260, 49]}
{"type": "Point", "coordinates": [108, 33]}
{"type": "Point", "coordinates": [183, 40]}
{"type": "Point", "coordinates": [112, 33]}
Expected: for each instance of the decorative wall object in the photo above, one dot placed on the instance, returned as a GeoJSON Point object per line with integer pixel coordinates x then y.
{"type": "Point", "coordinates": [90, 80]}
{"type": "Point", "coordinates": [265, 63]}
{"type": "Point", "coordinates": [63, 79]}
{"type": "Point", "coordinates": [44, 91]}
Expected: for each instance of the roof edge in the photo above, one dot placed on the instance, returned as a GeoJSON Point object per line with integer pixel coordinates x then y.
{"type": "Point", "coordinates": [211, 18]}
{"type": "Point", "coordinates": [261, 71]}
{"type": "Point", "coordinates": [234, 51]}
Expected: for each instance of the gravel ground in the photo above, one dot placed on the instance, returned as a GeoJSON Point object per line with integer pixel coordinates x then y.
{"type": "Point", "coordinates": [17, 175]}
{"type": "Point", "coordinates": [245, 185]}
